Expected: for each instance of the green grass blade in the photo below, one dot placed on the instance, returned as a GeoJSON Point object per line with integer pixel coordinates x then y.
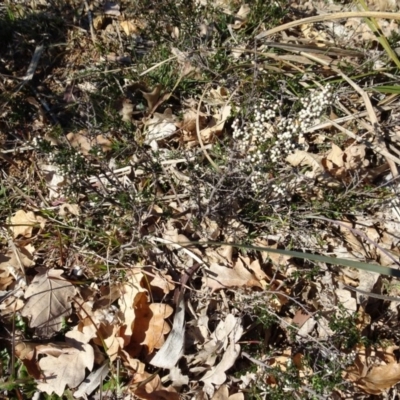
{"type": "Point", "coordinates": [375, 28]}
{"type": "Point", "coordinates": [313, 257]}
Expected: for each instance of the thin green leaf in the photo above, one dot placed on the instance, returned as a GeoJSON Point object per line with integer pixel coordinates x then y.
{"type": "Point", "coordinates": [308, 256]}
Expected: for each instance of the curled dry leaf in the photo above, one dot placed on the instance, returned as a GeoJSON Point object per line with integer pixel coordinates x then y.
{"type": "Point", "coordinates": [12, 262]}
{"type": "Point", "coordinates": [48, 302]}
{"type": "Point", "coordinates": [227, 331]}
{"type": "Point", "coordinates": [152, 97]}
{"type": "Point", "coordinates": [216, 124]}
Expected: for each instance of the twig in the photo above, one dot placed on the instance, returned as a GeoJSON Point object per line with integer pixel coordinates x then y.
{"type": "Point", "coordinates": [374, 295]}
{"type": "Point", "coordinates": [261, 364]}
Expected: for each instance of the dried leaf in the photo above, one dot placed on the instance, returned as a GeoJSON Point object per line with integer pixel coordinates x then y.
{"type": "Point", "coordinates": [163, 282]}
{"type": "Point", "coordinates": [177, 378]}
{"type": "Point", "coordinates": [81, 142]}
{"type": "Point", "coordinates": [152, 97]}
{"type": "Point", "coordinates": [23, 223]}
{"type": "Point", "coordinates": [54, 179]}
{"type": "Point", "coordinates": [172, 349]}
{"type": "Point", "coordinates": [153, 389]}
{"type": "Point", "coordinates": [66, 209]}
{"type": "Point", "coordinates": [49, 301]}
{"type": "Point", "coordinates": [131, 292]}
{"type": "Point", "coordinates": [92, 381]}
{"type": "Point", "coordinates": [380, 378]}
{"type": "Point", "coordinates": [149, 326]}
{"type": "Point", "coordinates": [125, 109]}
{"type": "Point", "coordinates": [68, 368]}
{"type": "Point", "coordinates": [132, 27]}
{"type": "Point", "coordinates": [219, 277]}
{"type": "Point", "coordinates": [303, 158]}
{"type": "Point", "coordinates": [241, 16]}
{"type": "Point", "coordinates": [217, 376]}
{"type": "Point", "coordinates": [160, 127]}
{"type": "Point", "coordinates": [223, 394]}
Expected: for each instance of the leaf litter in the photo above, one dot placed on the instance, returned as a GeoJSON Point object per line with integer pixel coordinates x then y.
{"type": "Point", "coordinates": [138, 304]}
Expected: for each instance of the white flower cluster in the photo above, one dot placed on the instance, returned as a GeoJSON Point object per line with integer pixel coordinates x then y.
{"type": "Point", "coordinates": [255, 133]}
{"type": "Point", "coordinates": [252, 138]}
{"type": "Point", "coordinates": [291, 130]}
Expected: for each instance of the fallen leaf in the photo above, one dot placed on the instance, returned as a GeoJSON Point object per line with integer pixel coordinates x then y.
{"type": "Point", "coordinates": [68, 368]}
{"type": "Point", "coordinates": [217, 376]}
{"type": "Point", "coordinates": [160, 127]}
{"type": "Point", "coordinates": [177, 378]}
{"type": "Point", "coordinates": [125, 109]}
{"type": "Point", "coordinates": [374, 379]}
{"type": "Point", "coordinates": [303, 158]}
{"type": "Point", "coordinates": [162, 281]}
{"type": "Point", "coordinates": [95, 379]}
{"type": "Point", "coordinates": [66, 209]}
{"type": "Point", "coordinates": [152, 97]}
{"type": "Point", "coordinates": [154, 318]}
{"type": "Point", "coordinates": [172, 350]}
{"type": "Point", "coordinates": [49, 301]}
{"type": "Point", "coordinates": [109, 333]}
{"type": "Point", "coordinates": [55, 180]}
{"type": "Point", "coordinates": [133, 26]}
{"type": "Point", "coordinates": [149, 326]}
{"type": "Point", "coordinates": [153, 388]}
{"type": "Point", "coordinates": [380, 378]}
{"type": "Point", "coordinates": [241, 16]}
{"type": "Point", "coordinates": [99, 22]}
{"type": "Point", "coordinates": [26, 352]}
{"type": "Point", "coordinates": [81, 142]}
{"type": "Point", "coordinates": [223, 394]}
{"type": "Point", "coordinates": [130, 295]}
{"type": "Point", "coordinates": [23, 223]}
{"type": "Point", "coordinates": [219, 277]}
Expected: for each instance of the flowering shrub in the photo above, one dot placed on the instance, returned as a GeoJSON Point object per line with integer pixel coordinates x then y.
{"type": "Point", "coordinates": [271, 137]}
